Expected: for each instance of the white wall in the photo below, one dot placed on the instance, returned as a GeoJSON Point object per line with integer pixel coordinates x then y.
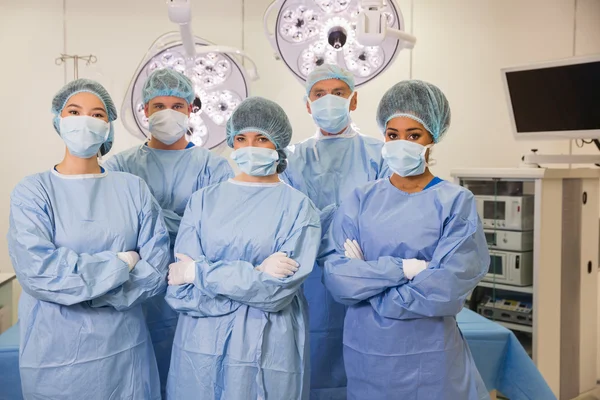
{"type": "Point", "coordinates": [117, 32]}
{"type": "Point", "coordinates": [31, 37]}
{"type": "Point", "coordinates": [461, 46]}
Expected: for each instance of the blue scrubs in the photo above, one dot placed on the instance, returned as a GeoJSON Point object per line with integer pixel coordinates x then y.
{"type": "Point", "coordinates": [242, 334]}
{"type": "Point", "coordinates": [173, 175]}
{"type": "Point", "coordinates": [401, 340]}
{"type": "Point", "coordinates": [82, 329]}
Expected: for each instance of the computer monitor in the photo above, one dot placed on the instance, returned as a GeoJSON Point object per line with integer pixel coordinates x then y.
{"type": "Point", "coordinates": [555, 100]}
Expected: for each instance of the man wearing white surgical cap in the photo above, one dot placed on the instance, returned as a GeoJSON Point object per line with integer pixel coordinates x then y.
{"type": "Point", "coordinates": [406, 253]}
{"type": "Point", "coordinates": [174, 169]}
{"type": "Point", "coordinates": [327, 167]}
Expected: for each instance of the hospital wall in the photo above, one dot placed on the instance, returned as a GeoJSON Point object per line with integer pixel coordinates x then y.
{"type": "Point", "coordinates": [462, 44]}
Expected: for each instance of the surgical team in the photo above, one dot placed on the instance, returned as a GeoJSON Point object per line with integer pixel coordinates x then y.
{"type": "Point", "coordinates": [329, 269]}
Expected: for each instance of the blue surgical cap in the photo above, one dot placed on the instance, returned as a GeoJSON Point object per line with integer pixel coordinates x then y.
{"type": "Point", "coordinates": [257, 114]}
{"type": "Point", "coordinates": [85, 85]}
{"type": "Point", "coordinates": [329, 71]}
{"type": "Point", "coordinates": [418, 100]}
{"type": "Point", "coordinates": [167, 82]}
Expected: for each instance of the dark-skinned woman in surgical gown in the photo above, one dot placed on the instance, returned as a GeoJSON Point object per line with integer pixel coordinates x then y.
{"type": "Point", "coordinates": [245, 247]}
{"type": "Point", "coordinates": [88, 247]}
{"type": "Point", "coordinates": [406, 251]}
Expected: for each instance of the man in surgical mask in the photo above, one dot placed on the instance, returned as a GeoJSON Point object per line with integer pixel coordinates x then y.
{"type": "Point", "coordinates": [173, 168]}
{"type": "Point", "coordinates": [327, 167]}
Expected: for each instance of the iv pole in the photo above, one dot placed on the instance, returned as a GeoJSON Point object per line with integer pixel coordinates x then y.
{"type": "Point", "coordinates": [91, 59]}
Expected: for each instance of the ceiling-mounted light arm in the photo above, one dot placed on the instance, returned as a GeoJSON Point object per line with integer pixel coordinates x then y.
{"type": "Point", "coordinates": [372, 27]}
{"type": "Point", "coordinates": [270, 35]}
{"type": "Point", "coordinates": [252, 71]}
{"type": "Point", "coordinates": [408, 39]}
{"type": "Point", "coordinates": [180, 12]}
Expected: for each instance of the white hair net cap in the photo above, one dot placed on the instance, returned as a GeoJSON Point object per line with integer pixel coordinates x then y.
{"type": "Point", "coordinates": [257, 114]}
{"type": "Point", "coordinates": [418, 100]}
{"type": "Point", "coordinates": [329, 71]}
{"type": "Point", "coordinates": [167, 82]}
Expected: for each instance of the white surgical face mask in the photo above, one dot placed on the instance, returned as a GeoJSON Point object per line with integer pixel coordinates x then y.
{"type": "Point", "coordinates": [83, 135]}
{"type": "Point", "coordinates": [405, 158]}
{"type": "Point", "coordinates": [256, 161]}
{"type": "Point", "coordinates": [331, 113]}
{"type": "Point", "coordinates": [168, 126]}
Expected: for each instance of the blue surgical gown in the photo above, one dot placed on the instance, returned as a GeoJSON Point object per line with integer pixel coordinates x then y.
{"type": "Point", "coordinates": [83, 334]}
{"type": "Point", "coordinates": [173, 175]}
{"type": "Point", "coordinates": [326, 169]}
{"type": "Point", "coordinates": [243, 334]}
{"type": "Point", "coordinates": [401, 340]}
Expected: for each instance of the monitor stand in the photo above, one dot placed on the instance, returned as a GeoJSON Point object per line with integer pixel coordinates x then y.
{"type": "Point", "coordinates": [533, 160]}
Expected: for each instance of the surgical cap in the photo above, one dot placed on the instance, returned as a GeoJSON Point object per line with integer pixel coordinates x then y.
{"type": "Point", "coordinates": [329, 71]}
{"type": "Point", "coordinates": [257, 114]}
{"type": "Point", "coordinates": [166, 82]}
{"type": "Point", "coordinates": [85, 85]}
{"type": "Point", "coordinates": [418, 100]}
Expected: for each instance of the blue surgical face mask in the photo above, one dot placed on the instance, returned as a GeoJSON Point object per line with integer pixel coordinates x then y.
{"type": "Point", "coordinates": [256, 161]}
{"type": "Point", "coordinates": [83, 135]}
{"type": "Point", "coordinates": [331, 113]}
{"type": "Point", "coordinates": [405, 158]}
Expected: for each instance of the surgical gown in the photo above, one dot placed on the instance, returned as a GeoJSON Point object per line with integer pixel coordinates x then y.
{"type": "Point", "coordinates": [243, 334]}
{"type": "Point", "coordinates": [82, 329]}
{"type": "Point", "coordinates": [173, 175]}
{"type": "Point", "coordinates": [401, 340]}
{"type": "Point", "coordinates": [326, 169]}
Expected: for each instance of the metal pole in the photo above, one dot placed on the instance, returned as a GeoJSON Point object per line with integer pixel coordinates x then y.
{"type": "Point", "coordinates": [91, 59]}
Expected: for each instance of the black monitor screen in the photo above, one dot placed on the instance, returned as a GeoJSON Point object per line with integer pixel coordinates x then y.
{"type": "Point", "coordinates": [495, 265]}
{"type": "Point", "coordinates": [564, 98]}
{"type": "Point", "coordinates": [490, 237]}
{"type": "Point", "coordinates": [494, 210]}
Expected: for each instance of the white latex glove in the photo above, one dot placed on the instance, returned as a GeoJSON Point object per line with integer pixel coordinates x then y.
{"type": "Point", "coordinates": [182, 271]}
{"type": "Point", "coordinates": [412, 267]}
{"type": "Point", "coordinates": [352, 250]}
{"type": "Point", "coordinates": [130, 258]}
{"type": "Point", "coordinates": [278, 265]}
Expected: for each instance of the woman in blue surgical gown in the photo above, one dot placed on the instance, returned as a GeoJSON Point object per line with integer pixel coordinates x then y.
{"type": "Point", "coordinates": [88, 247]}
{"type": "Point", "coordinates": [407, 251]}
{"type": "Point", "coordinates": [245, 247]}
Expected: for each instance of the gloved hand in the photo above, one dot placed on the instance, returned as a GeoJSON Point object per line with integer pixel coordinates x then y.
{"type": "Point", "coordinates": [412, 267]}
{"type": "Point", "coordinates": [352, 250]}
{"type": "Point", "coordinates": [182, 271]}
{"type": "Point", "coordinates": [278, 265]}
{"type": "Point", "coordinates": [130, 258]}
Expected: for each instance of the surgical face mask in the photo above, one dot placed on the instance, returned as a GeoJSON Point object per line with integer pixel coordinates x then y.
{"type": "Point", "coordinates": [405, 158]}
{"type": "Point", "coordinates": [168, 126]}
{"type": "Point", "coordinates": [83, 135]}
{"type": "Point", "coordinates": [256, 161]}
{"type": "Point", "coordinates": [331, 113]}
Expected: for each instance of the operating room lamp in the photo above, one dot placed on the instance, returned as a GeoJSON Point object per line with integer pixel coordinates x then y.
{"type": "Point", "coordinates": [220, 80]}
{"type": "Point", "coordinates": [363, 36]}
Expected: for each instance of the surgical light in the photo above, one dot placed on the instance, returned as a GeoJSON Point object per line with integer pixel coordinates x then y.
{"type": "Point", "coordinates": [364, 36]}
{"type": "Point", "coordinates": [220, 80]}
